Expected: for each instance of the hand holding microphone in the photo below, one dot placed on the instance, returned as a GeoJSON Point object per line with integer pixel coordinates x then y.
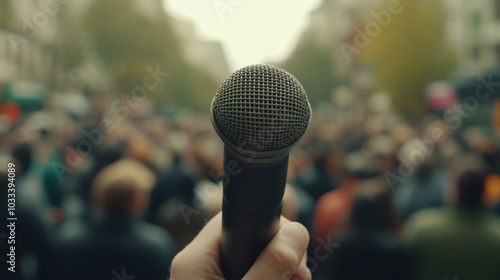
{"type": "Point", "coordinates": [283, 258]}
{"type": "Point", "coordinates": [259, 112]}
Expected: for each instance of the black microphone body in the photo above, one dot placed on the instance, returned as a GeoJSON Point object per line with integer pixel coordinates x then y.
{"type": "Point", "coordinates": [259, 112]}
{"type": "Point", "coordinates": [251, 211]}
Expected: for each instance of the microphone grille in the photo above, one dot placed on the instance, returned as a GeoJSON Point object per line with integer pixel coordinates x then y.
{"type": "Point", "coordinates": [260, 108]}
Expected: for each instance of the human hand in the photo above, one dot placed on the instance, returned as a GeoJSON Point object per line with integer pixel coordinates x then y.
{"type": "Point", "coordinates": [283, 258]}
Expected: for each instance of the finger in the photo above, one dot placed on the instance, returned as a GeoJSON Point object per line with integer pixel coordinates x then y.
{"type": "Point", "coordinates": [200, 259]}
{"type": "Point", "coordinates": [283, 221]}
{"type": "Point", "coordinates": [209, 235]}
{"type": "Point", "coordinates": [303, 272]}
{"type": "Point", "coordinates": [282, 256]}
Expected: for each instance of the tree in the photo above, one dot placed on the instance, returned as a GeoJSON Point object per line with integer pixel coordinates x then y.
{"type": "Point", "coordinates": [5, 14]}
{"type": "Point", "coordinates": [409, 53]}
{"type": "Point", "coordinates": [128, 42]}
{"type": "Point", "coordinates": [71, 46]}
{"type": "Point", "coordinates": [312, 64]}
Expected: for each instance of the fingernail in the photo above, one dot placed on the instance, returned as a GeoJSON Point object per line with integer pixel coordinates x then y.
{"type": "Point", "coordinates": [297, 235]}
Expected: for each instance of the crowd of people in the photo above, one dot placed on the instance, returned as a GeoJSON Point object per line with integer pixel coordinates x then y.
{"type": "Point", "coordinates": [117, 196]}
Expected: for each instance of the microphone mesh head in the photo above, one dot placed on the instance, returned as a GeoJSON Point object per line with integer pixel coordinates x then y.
{"type": "Point", "coordinates": [260, 109]}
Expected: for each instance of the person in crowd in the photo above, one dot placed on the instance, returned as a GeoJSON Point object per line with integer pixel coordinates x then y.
{"type": "Point", "coordinates": [177, 181]}
{"type": "Point", "coordinates": [23, 155]}
{"type": "Point", "coordinates": [74, 159]}
{"type": "Point", "coordinates": [117, 241]}
{"type": "Point", "coordinates": [182, 219]}
{"type": "Point", "coordinates": [283, 258]}
{"type": "Point", "coordinates": [299, 206]}
{"type": "Point", "coordinates": [421, 184]}
{"type": "Point", "coordinates": [32, 255]}
{"type": "Point", "coordinates": [178, 205]}
{"type": "Point", "coordinates": [461, 241]}
{"type": "Point", "coordinates": [333, 208]}
{"type": "Point", "coordinates": [28, 186]}
{"type": "Point", "coordinates": [479, 142]}
{"type": "Point", "coordinates": [52, 183]}
{"type": "Point", "coordinates": [323, 175]}
{"type": "Point", "coordinates": [496, 209]}
{"type": "Point", "coordinates": [492, 193]}
{"type": "Point", "coordinates": [369, 248]}
{"type": "Point", "coordinates": [104, 155]}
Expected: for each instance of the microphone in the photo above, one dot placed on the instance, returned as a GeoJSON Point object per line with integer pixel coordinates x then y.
{"type": "Point", "coordinates": [259, 112]}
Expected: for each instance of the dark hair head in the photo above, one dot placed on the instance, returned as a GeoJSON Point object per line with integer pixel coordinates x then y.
{"type": "Point", "coordinates": [373, 208]}
{"type": "Point", "coordinates": [470, 186]}
{"type": "Point", "coordinates": [467, 173]}
{"type": "Point", "coordinates": [107, 154]}
{"type": "Point", "coordinates": [23, 154]}
{"type": "Point", "coordinates": [119, 196]}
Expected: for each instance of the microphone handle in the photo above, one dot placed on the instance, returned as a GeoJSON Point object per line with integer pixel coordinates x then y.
{"type": "Point", "coordinates": [251, 211]}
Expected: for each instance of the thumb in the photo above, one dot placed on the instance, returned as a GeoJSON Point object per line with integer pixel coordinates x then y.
{"type": "Point", "coordinates": [282, 257]}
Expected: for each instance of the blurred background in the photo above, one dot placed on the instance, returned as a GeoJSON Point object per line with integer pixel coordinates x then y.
{"type": "Point", "coordinates": [104, 109]}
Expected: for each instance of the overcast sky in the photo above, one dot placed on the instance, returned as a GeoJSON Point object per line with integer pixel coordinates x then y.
{"type": "Point", "coordinates": [251, 31]}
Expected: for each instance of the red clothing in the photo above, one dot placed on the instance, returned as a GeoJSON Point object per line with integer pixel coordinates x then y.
{"type": "Point", "coordinates": [332, 210]}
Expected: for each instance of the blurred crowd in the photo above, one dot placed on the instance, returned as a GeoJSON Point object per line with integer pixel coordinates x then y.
{"type": "Point", "coordinates": [115, 194]}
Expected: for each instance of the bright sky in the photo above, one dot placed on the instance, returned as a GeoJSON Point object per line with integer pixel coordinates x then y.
{"type": "Point", "coordinates": [251, 31]}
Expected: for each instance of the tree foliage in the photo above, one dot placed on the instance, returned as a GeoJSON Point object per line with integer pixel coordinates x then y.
{"type": "Point", "coordinates": [312, 64]}
{"type": "Point", "coordinates": [127, 42]}
{"type": "Point", "coordinates": [409, 53]}
{"type": "Point", "coordinates": [71, 45]}
{"type": "Point", "coordinates": [5, 14]}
